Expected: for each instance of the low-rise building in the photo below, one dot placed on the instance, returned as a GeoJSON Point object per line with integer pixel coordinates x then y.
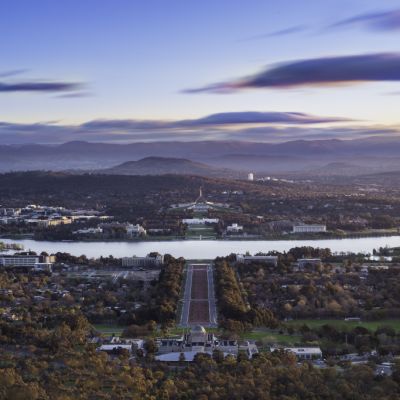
{"type": "Point", "coordinates": [19, 260]}
{"type": "Point", "coordinates": [88, 231]}
{"type": "Point", "coordinates": [151, 260]}
{"type": "Point", "coordinates": [248, 259]}
{"type": "Point", "coordinates": [199, 341]}
{"type": "Point", "coordinates": [200, 221]}
{"type": "Point", "coordinates": [302, 353]}
{"type": "Point", "coordinates": [115, 347]}
{"type": "Point", "coordinates": [35, 262]}
{"type": "Point", "coordinates": [135, 230]}
{"type": "Point", "coordinates": [234, 228]}
{"type": "Point", "coordinates": [303, 263]}
{"type": "Point", "coordinates": [308, 228]}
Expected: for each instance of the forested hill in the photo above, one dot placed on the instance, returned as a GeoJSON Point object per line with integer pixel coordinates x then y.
{"type": "Point", "coordinates": [165, 165]}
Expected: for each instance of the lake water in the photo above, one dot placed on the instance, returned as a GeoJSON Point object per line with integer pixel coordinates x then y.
{"type": "Point", "coordinates": [204, 249]}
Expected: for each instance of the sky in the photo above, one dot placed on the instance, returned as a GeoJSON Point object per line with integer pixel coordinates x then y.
{"type": "Point", "coordinates": [268, 71]}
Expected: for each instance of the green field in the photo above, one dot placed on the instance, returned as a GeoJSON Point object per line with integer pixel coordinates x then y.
{"type": "Point", "coordinates": [267, 336]}
{"type": "Point", "coordinates": [194, 231]}
{"type": "Point", "coordinates": [343, 325]}
{"type": "Point", "coordinates": [108, 330]}
{"type": "Point", "coordinates": [264, 335]}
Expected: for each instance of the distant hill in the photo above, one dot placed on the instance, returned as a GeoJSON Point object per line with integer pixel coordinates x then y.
{"type": "Point", "coordinates": [164, 165]}
{"type": "Point", "coordinates": [340, 169]}
{"type": "Point", "coordinates": [349, 157]}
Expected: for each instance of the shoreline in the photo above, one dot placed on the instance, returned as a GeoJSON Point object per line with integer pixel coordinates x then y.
{"type": "Point", "coordinates": [358, 235]}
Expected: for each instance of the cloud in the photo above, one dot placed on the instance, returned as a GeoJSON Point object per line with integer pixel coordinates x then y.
{"type": "Point", "coordinates": [74, 95]}
{"type": "Point", "coordinates": [39, 86]}
{"type": "Point", "coordinates": [380, 67]}
{"type": "Point", "coordinates": [13, 72]}
{"type": "Point", "coordinates": [282, 32]}
{"type": "Point", "coordinates": [70, 89]}
{"type": "Point", "coordinates": [254, 117]}
{"type": "Point", "coordinates": [376, 21]}
{"type": "Point", "coordinates": [248, 125]}
{"type": "Point", "coordinates": [217, 120]}
{"type": "Point", "coordinates": [123, 132]}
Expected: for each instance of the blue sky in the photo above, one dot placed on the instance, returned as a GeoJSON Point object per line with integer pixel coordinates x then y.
{"type": "Point", "coordinates": [66, 63]}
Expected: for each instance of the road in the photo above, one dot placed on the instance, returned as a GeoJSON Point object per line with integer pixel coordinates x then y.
{"type": "Point", "coordinates": [199, 306]}
{"type": "Point", "coordinates": [186, 296]}
{"type": "Point", "coordinates": [211, 296]}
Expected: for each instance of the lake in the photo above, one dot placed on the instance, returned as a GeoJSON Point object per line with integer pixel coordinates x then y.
{"type": "Point", "coordinates": [204, 249]}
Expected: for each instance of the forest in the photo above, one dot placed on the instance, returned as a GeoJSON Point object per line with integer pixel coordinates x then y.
{"type": "Point", "coordinates": [234, 313]}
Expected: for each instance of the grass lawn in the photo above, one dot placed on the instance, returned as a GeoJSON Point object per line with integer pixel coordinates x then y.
{"type": "Point", "coordinates": [259, 334]}
{"type": "Point", "coordinates": [204, 232]}
{"type": "Point", "coordinates": [271, 337]}
{"type": "Point", "coordinates": [108, 330]}
{"type": "Point", "coordinates": [341, 324]}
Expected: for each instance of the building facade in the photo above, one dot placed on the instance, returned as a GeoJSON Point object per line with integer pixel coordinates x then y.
{"type": "Point", "coordinates": [38, 263]}
{"type": "Point", "coordinates": [308, 228]}
{"type": "Point", "coordinates": [199, 341]}
{"type": "Point", "coordinates": [302, 353]}
{"type": "Point", "coordinates": [148, 261]}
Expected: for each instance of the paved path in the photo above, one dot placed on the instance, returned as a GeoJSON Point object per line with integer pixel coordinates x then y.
{"type": "Point", "coordinates": [211, 296]}
{"type": "Point", "coordinates": [187, 318]}
{"type": "Point", "coordinates": [186, 296]}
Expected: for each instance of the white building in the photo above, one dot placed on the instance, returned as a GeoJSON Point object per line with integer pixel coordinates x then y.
{"type": "Point", "coordinates": [303, 353]}
{"type": "Point", "coordinates": [234, 228]}
{"type": "Point", "coordinates": [88, 231]}
{"type": "Point", "coordinates": [308, 228]}
{"type": "Point", "coordinates": [135, 230]}
{"type": "Point", "coordinates": [199, 341]}
{"type": "Point", "coordinates": [28, 261]}
{"type": "Point", "coordinates": [116, 344]}
{"type": "Point", "coordinates": [200, 221]}
{"type": "Point", "coordinates": [148, 261]}
{"type": "Point", "coordinates": [250, 177]}
{"type": "Point", "coordinates": [19, 261]}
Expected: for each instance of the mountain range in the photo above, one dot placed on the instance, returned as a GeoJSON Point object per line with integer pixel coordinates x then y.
{"type": "Point", "coordinates": [350, 157]}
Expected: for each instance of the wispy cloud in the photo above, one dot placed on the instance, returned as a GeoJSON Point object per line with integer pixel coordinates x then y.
{"type": "Point", "coordinates": [74, 95]}
{"type": "Point", "coordinates": [324, 71]}
{"type": "Point", "coordinates": [281, 32]}
{"type": "Point", "coordinates": [218, 120]}
{"type": "Point", "coordinates": [37, 85]}
{"type": "Point", "coordinates": [250, 125]}
{"type": "Point", "coordinates": [6, 74]}
{"type": "Point", "coordinates": [123, 132]}
{"type": "Point", "coordinates": [377, 21]}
